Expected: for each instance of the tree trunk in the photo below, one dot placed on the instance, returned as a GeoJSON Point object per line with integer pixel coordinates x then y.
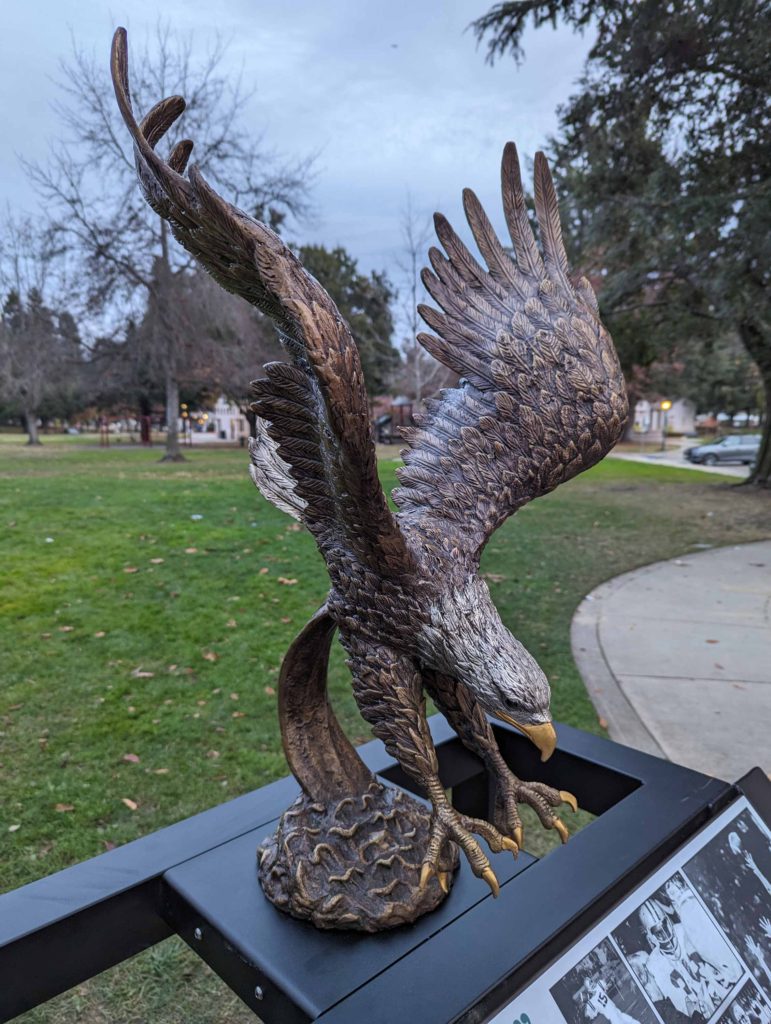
{"type": "Point", "coordinates": [761, 473]}
{"type": "Point", "coordinates": [251, 418]}
{"type": "Point", "coordinates": [173, 454]}
{"type": "Point", "coordinates": [30, 425]}
{"type": "Point", "coordinates": [759, 347]}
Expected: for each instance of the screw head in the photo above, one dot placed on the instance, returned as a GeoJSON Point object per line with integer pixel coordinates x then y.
{"type": "Point", "coordinates": [258, 993]}
{"type": "Point", "coordinates": [198, 934]}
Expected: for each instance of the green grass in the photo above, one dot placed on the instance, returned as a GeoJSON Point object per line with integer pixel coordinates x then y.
{"type": "Point", "coordinates": [119, 639]}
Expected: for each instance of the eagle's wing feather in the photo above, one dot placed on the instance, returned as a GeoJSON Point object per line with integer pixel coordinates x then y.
{"type": "Point", "coordinates": [542, 397]}
{"type": "Point", "coordinates": [314, 456]}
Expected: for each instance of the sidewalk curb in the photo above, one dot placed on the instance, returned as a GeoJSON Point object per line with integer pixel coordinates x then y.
{"type": "Point", "coordinates": [609, 700]}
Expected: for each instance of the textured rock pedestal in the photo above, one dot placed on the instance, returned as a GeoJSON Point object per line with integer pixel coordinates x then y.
{"type": "Point", "coordinates": [355, 865]}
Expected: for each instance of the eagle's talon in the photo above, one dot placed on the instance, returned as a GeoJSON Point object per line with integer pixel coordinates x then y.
{"type": "Point", "coordinates": [443, 877]}
{"type": "Point", "coordinates": [561, 827]}
{"type": "Point", "coordinates": [426, 872]}
{"type": "Point", "coordinates": [510, 844]}
{"type": "Point", "coordinates": [568, 798]}
{"type": "Point", "coordinates": [489, 876]}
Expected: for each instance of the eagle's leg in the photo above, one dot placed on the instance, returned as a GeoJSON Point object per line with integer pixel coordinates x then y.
{"type": "Point", "coordinates": [461, 709]}
{"type": "Point", "coordinates": [389, 691]}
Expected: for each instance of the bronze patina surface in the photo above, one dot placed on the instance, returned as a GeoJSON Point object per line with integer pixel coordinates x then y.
{"type": "Point", "coordinates": [541, 399]}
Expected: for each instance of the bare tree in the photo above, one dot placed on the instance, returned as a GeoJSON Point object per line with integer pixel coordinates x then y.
{"type": "Point", "coordinates": [38, 344]}
{"type": "Point", "coordinates": [422, 375]}
{"type": "Point", "coordinates": [126, 261]}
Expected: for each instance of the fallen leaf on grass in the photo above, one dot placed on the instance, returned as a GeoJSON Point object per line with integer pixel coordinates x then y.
{"type": "Point", "coordinates": [238, 714]}
{"type": "Point", "coordinates": [156, 561]}
{"type": "Point", "coordinates": [66, 629]}
{"type": "Point", "coordinates": [45, 636]}
{"type": "Point", "coordinates": [234, 696]}
{"type": "Point", "coordinates": [108, 844]}
{"type": "Point", "coordinates": [14, 828]}
{"type": "Point", "coordinates": [130, 568]}
{"type": "Point", "coordinates": [212, 753]}
{"type": "Point", "coordinates": [161, 771]}
{"type": "Point", "coordinates": [139, 673]}
{"type": "Point", "coordinates": [191, 551]}
{"type": "Point", "coordinates": [264, 571]}
{"type": "Point", "coordinates": [210, 655]}
{"type": "Point", "coordinates": [201, 703]}
{"type": "Point", "coordinates": [131, 804]}
{"type": "Point", "coordinates": [270, 691]}
{"type": "Point", "coordinates": [63, 808]}
{"type": "Point", "coordinates": [130, 758]}
{"type": "Point", "coordinates": [100, 634]}
{"type": "Point", "coordinates": [286, 582]}
{"type": "Point", "coordinates": [603, 723]}
{"type": "Point", "coordinates": [285, 619]}
{"type": "Point", "coordinates": [231, 624]}
{"type": "Point", "coordinates": [15, 707]}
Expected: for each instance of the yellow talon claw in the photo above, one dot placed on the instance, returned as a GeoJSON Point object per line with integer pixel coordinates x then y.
{"type": "Point", "coordinates": [489, 876]}
{"type": "Point", "coordinates": [519, 836]}
{"type": "Point", "coordinates": [426, 871]}
{"type": "Point", "coordinates": [561, 828]}
{"type": "Point", "coordinates": [510, 845]}
{"type": "Point", "coordinates": [568, 798]}
{"type": "Point", "coordinates": [443, 878]}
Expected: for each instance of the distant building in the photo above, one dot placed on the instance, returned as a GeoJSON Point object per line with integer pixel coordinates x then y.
{"type": "Point", "coordinates": [388, 415]}
{"type": "Point", "coordinates": [225, 422]}
{"type": "Point", "coordinates": [680, 419]}
{"type": "Point", "coordinates": [230, 424]}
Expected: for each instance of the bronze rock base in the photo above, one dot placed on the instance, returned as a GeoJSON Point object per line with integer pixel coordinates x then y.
{"type": "Point", "coordinates": [355, 865]}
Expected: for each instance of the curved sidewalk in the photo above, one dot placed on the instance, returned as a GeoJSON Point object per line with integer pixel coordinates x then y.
{"type": "Point", "coordinates": [676, 657]}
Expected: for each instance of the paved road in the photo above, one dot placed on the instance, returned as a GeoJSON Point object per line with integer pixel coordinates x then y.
{"type": "Point", "coordinates": [673, 456]}
{"type": "Point", "coordinates": [676, 657]}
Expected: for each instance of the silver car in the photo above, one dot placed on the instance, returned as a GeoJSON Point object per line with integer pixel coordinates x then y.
{"type": "Point", "coordinates": [742, 448]}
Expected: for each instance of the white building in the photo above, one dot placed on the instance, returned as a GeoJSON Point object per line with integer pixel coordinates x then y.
{"type": "Point", "coordinates": [649, 417]}
{"type": "Point", "coordinates": [230, 424]}
{"type": "Point", "coordinates": [225, 422]}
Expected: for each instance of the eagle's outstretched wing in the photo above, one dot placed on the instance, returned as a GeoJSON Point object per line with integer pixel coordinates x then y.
{"type": "Point", "coordinates": [321, 464]}
{"type": "Point", "coordinates": [543, 396]}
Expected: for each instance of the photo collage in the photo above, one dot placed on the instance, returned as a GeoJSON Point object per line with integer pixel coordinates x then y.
{"type": "Point", "coordinates": [696, 950]}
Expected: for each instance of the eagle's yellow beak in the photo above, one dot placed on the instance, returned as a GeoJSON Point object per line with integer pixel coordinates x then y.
{"type": "Point", "coordinates": [544, 736]}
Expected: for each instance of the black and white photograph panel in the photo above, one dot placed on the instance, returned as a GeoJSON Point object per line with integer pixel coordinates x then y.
{"type": "Point", "coordinates": [678, 955]}
{"type": "Point", "coordinates": [749, 1007]}
{"type": "Point", "coordinates": [732, 875]}
{"type": "Point", "coordinates": [600, 988]}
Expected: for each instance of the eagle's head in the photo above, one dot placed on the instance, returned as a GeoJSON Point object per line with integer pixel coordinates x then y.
{"type": "Point", "coordinates": [468, 641]}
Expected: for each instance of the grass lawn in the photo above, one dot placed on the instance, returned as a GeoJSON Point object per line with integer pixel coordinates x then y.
{"type": "Point", "coordinates": [141, 648]}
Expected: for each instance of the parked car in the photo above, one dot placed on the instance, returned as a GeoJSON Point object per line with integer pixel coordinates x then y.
{"type": "Point", "coordinates": [742, 448]}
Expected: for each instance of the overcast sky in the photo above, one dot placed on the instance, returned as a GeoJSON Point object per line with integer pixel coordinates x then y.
{"type": "Point", "coordinates": [392, 96]}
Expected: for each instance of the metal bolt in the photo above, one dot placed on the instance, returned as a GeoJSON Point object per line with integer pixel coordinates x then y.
{"type": "Point", "coordinates": [198, 934]}
{"type": "Point", "coordinates": [258, 993]}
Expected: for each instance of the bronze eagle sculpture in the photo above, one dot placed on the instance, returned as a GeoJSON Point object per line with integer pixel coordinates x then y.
{"type": "Point", "coordinates": [541, 398]}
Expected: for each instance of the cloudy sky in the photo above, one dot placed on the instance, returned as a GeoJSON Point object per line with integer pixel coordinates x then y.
{"type": "Point", "coordinates": [393, 97]}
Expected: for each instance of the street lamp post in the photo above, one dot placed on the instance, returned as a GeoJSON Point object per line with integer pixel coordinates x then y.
{"type": "Point", "coordinates": [665, 406]}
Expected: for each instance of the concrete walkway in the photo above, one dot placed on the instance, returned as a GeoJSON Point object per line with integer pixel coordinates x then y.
{"type": "Point", "coordinates": [676, 657]}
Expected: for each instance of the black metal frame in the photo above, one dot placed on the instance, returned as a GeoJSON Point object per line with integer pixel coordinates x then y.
{"type": "Point", "coordinates": [198, 878]}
